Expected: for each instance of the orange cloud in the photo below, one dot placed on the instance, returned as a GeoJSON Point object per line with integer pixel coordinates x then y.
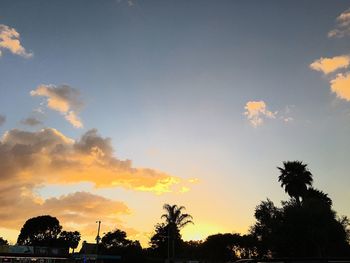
{"type": "Point", "coordinates": [342, 28]}
{"type": "Point", "coordinates": [49, 157]}
{"type": "Point", "coordinates": [340, 85]}
{"type": "Point", "coordinates": [9, 39]}
{"type": "Point", "coordinates": [75, 211]}
{"type": "Point", "coordinates": [328, 65]}
{"type": "Point", "coordinates": [63, 99]}
{"type": "Point", "coordinates": [256, 112]}
{"type": "Point", "coordinates": [31, 160]}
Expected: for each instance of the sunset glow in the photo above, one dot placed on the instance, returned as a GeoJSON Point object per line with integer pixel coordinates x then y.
{"type": "Point", "coordinates": [111, 109]}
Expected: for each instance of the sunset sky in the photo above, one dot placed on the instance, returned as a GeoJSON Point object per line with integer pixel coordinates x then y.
{"type": "Point", "coordinates": [109, 109]}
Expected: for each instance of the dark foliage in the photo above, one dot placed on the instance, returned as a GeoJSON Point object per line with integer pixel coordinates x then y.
{"type": "Point", "coordinates": [116, 243]}
{"type": "Point", "coordinates": [69, 239]}
{"type": "Point", "coordinates": [305, 226]}
{"type": "Point", "coordinates": [3, 242]}
{"type": "Point", "coordinates": [295, 178]}
{"type": "Point", "coordinates": [40, 231]}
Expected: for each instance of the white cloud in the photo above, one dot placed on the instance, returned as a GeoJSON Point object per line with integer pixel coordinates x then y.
{"type": "Point", "coordinates": [329, 65]}
{"type": "Point", "coordinates": [10, 40]}
{"type": "Point", "coordinates": [256, 112]}
{"type": "Point", "coordinates": [342, 28]}
{"type": "Point", "coordinates": [63, 99]}
{"type": "Point", "coordinates": [340, 85]}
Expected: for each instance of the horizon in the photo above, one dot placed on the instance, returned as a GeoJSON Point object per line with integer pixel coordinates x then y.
{"type": "Point", "coordinates": [110, 110]}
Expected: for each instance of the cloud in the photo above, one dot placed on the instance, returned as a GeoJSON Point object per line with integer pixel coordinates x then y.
{"type": "Point", "coordinates": [75, 211]}
{"type": "Point", "coordinates": [342, 28]}
{"type": "Point", "coordinates": [10, 40]}
{"type": "Point", "coordinates": [328, 65]}
{"type": "Point", "coordinates": [2, 119]}
{"type": "Point", "coordinates": [31, 160]}
{"type": "Point", "coordinates": [63, 99]}
{"type": "Point", "coordinates": [49, 157]}
{"type": "Point", "coordinates": [340, 85]}
{"type": "Point", "coordinates": [31, 121]}
{"type": "Point", "coordinates": [256, 112]}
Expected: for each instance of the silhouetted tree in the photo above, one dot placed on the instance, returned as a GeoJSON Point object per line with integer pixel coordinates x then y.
{"type": "Point", "coordinates": [3, 242]}
{"type": "Point", "coordinates": [116, 243]}
{"type": "Point", "coordinates": [161, 243]}
{"type": "Point", "coordinates": [175, 220]}
{"type": "Point", "coordinates": [300, 229]}
{"type": "Point", "coordinates": [69, 239]}
{"type": "Point", "coordinates": [219, 248]}
{"type": "Point", "coordinates": [295, 177]}
{"type": "Point", "coordinates": [267, 227]}
{"type": "Point", "coordinates": [40, 231]}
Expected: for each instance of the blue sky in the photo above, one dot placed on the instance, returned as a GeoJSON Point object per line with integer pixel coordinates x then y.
{"type": "Point", "coordinates": [168, 82]}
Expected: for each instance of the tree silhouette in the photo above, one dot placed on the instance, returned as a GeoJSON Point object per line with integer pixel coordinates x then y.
{"type": "Point", "coordinates": [3, 242]}
{"type": "Point", "coordinates": [169, 231]}
{"type": "Point", "coordinates": [300, 229]}
{"type": "Point", "coordinates": [175, 217]}
{"type": "Point", "coordinates": [116, 243]}
{"type": "Point", "coordinates": [69, 239]}
{"type": "Point", "coordinates": [160, 242]}
{"type": "Point", "coordinates": [295, 177]}
{"type": "Point", "coordinates": [40, 231]}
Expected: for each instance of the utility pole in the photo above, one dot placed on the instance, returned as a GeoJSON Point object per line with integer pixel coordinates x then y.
{"type": "Point", "coordinates": [98, 238]}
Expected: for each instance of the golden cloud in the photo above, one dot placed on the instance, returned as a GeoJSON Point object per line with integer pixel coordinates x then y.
{"type": "Point", "coordinates": [328, 65]}
{"type": "Point", "coordinates": [342, 28]}
{"type": "Point", "coordinates": [63, 99]}
{"type": "Point", "coordinates": [340, 85]}
{"type": "Point", "coordinates": [49, 157]}
{"type": "Point", "coordinates": [10, 40]}
{"type": "Point", "coordinates": [30, 160]}
{"type": "Point", "coordinates": [256, 112]}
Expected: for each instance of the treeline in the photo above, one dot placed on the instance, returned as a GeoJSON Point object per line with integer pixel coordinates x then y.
{"type": "Point", "coordinates": [304, 226]}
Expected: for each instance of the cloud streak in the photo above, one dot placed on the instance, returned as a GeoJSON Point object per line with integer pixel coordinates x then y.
{"type": "Point", "coordinates": [63, 99]}
{"type": "Point", "coordinates": [10, 40]}
{"type": "Point", "coordinates": [2, 119]}
{"type": "Point", "coordinates": [31, 121]}
{"type": "Point", "coordinates": [342, 28]}
{"type": "Point", "coordinates": [257, 112]}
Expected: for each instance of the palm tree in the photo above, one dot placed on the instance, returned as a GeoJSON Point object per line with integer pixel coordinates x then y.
{"type": "Point", "coordinates": [175, 220]}
{"type": "Point", "coordinates": [174, 216]}
{"type": "Point", "coordinates": [295, 179]}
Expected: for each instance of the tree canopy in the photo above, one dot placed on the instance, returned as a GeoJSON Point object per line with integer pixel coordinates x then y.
{"type": "Point", "coordinates": [40, 231]}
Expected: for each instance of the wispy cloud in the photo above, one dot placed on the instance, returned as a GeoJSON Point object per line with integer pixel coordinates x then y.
{"type": "Point", "coordinates": [342, 28]}
{"type": "Point", "coordinates": [10, 40]}
{"type": "Point", "coordinates": [63, 99]}
{"type": "Point", "coordinates": [340, 85]}
{"type": "Point", "coordinates": [329, 65]}
{"type": "Point", "coordinates": [257, 112]}
{"type": "Point", "coordinates": [2, 119]}
{"type": "Point", "coordinates": [31, 121]}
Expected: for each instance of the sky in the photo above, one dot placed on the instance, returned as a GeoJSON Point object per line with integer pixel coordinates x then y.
{"type": "Point", "coordinates": [110, 109]}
